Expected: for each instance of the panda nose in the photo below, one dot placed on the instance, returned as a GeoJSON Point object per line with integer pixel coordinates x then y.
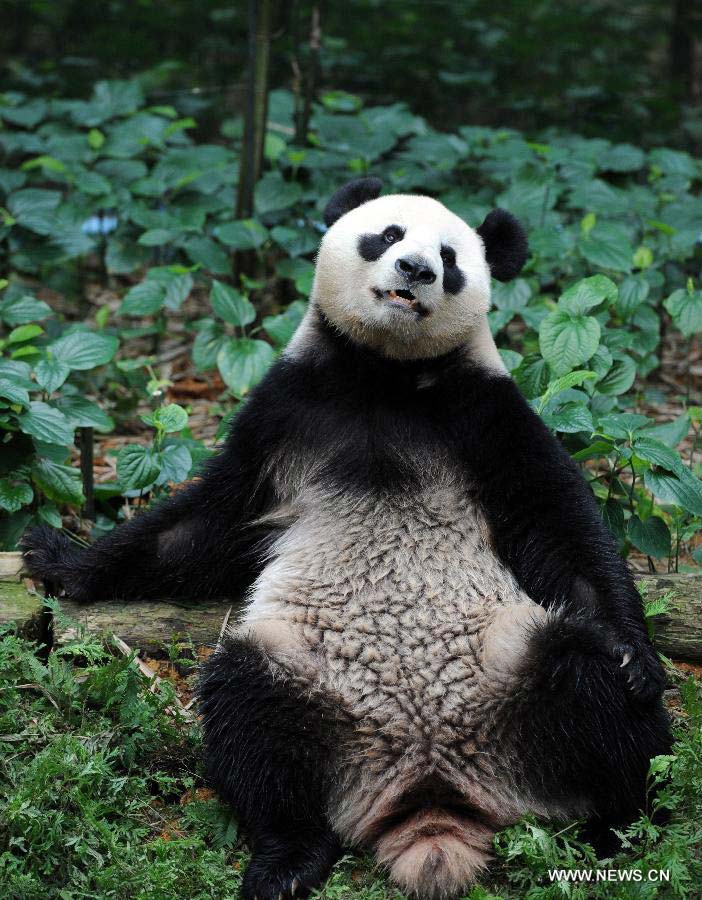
{"type": "Point", "coordinates": [416, 270]}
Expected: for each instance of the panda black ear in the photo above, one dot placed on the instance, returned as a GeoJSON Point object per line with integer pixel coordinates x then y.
{"type": "Point", "coordinates": [506, 245]}
{"type": "Point", "coordinates": [351, 195]}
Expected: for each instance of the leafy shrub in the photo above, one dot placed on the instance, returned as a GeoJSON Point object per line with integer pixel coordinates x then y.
{"type": "Point", "coordinates": [112, 188]}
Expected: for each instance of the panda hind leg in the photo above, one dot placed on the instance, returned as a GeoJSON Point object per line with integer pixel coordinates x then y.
{"type": "Point", "coordinates": [583, 738]}
{"type": "Point", "coordinates": [267, 752]}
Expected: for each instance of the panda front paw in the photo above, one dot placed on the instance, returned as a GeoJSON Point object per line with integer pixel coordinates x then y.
{"type": "Point", "coordinates": [283, 869]}
{"type": "Point", "coordinates": [47, 555]}
{"type": "Point", "coordinates": [641, 669]}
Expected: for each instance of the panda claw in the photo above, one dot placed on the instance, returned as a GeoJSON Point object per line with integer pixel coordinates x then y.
{"type": "Point", "coordinates": [294, 886]}
{"type": "Point", "coordinates": [626, 659]}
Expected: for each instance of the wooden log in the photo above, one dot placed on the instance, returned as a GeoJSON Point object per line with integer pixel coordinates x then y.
{"type": "Point", "coordinates": [151, 625]}
{"type": "Point", "coordinates": [678, 632]}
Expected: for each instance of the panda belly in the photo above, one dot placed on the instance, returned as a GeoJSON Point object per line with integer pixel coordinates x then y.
{"type": "Point", "coordinates": [397, 611]}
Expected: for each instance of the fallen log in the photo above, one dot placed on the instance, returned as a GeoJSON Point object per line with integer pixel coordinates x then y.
{"type": "Point", "coordinates": [151, 625]}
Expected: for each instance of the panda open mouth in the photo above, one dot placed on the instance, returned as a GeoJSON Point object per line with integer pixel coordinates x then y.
{"type": "Point", "coordinates": [401, 298]}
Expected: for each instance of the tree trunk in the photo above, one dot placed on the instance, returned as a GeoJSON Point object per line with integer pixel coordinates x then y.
{"type": "Point", "coordinates": [681, 53]}
{"type": "Point", "coordinates": [256, 106]}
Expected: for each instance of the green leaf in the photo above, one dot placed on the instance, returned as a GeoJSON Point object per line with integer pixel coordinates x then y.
{"type": "Point", "coordinates": [209, 341]}
{"type": "Point", "coordinates": [12, 391]}
{"type": "Point", "coordinates": [51, 373]}
{"type": "Point", "coordinates": [60, 483]}
{"type": "Point", "coordinates": [273, 193]}
{"type": "Point", "coordinates": [601, 361]}
{"type": "Point", "coordinates": [14, 494]}
{"type": "Point", "coordinates": [674, 162]}
{"type": "Point", "coordinates": [24, 309]}
{"type": "Point", "coordinates": [619, 378]}
{"type": "Point", "coordinates": [682, 490]}
{"type": "Point", "coordinates": [632, 293]}
{"type": "Point", "coordinates": [154, 237]}
{"type": "Point", "coordinates": [46, 423]}
{"type": "Point", "coordinates": [651, 537]}
{"type": "Point", "coordinates": [621, 425]}
{"type": "Point", "coordinates": [608, 246]}
{"type": "Point", "coordinates": [34, 209]}
{"type": "Point", "coordinates": [243, 234]}
{"type": "Point", "coordinates": [231, 305]}
{"type": "Point", "coordinates": [47, 163]}
{"type": "Point", "coordinates": [84, 413]}
{"type": "Point", "coordinates": [301, 271]}
{"type": "Point", "coordinates": [570, 419]}
{"type": "Point", "coordinates": [282, 327]}
{"type": "Point", "coordinates": [587, 293]}
{"type": "Point", "coordinates": [670, 433]}
{"type": "Point", "coordinates": [48, 513]}
{"type": "Point", "coordinates": [295, 241]}
{"type": "Point", "coordinates": [532, 376]}
{"type": "Point", "coordinates": [137, 466]}
{"type": "Point", "coordinates": [564, 383]}
{"type": "Point", "coordinates": [567, 341]}
{"type": "Point", "coordinates": [594, 450]}
{"type": "Point", "coordinates": [653, 451]}
{"type": "Point", "coordinates": [686, 309]}
{"type": "Point", "coordinates": [341, 101]}
{"type": "Point", "coordinates": [621, 158]}
{"type": "Point", "coordinates": [24, 333]}
{"type": "Point", "coordinates": [209, 254]}
{"type": "Point", "coordinates": [512, 296]}
{"type": "Point", "coordinates": [511, 359]}
{"type": "Point", "coordinates": [84, 350]}
{"type": "Point", "coordinates": [242, 363]}
{"type": "Point", "coordinates": [170, 418]}
{"type": "Point", "coordinates": [176, 463]}
{"type": "Point", "coordinates": [123, 256]}
{"type": "Point", "coordinates": [613, 517]}
{"type": "Point", "coordinates": [95, 138]}
{"type": "Point", "coordinates": [175, 283]}
{"type": "Point", "coordinates": [144, 299]}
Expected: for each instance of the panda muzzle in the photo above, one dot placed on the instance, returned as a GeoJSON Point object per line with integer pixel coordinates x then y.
{"type": "Point", "coordinates": [403, 298]}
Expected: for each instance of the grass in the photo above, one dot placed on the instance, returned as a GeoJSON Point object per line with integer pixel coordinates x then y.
{"type": "Point", "coordinates": [101, 795]}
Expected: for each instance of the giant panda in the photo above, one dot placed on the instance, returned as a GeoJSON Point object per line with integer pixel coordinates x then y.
{"type": "Point", "coordinates": [439, 635]}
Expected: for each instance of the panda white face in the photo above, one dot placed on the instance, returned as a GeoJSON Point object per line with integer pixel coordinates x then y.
{"type": "Point", "coordinates": [403, 275]}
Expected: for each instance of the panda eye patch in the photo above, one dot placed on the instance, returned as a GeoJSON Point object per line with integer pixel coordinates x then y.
{"type": "Point", "coordinates": [392, 234]}
{"type": "Point", "coordinates": [448, 256]}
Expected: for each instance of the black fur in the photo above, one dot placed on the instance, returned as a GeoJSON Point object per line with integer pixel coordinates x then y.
{"type": "Point", "coordinates": [454, 279]}
{"type": "Point", "coordinates": [372, 246]}
{"type": "Point", "coordinates": [351, 195]}
{"type": "Point", "coordinates": [267, 751]}
{"type": "Point", "coordinates": [574, 730]}
{"type": "Point", "coordinates": [506, 244]}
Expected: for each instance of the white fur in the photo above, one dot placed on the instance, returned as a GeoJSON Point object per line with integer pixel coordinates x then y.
{"type": "Point", "coordinates": [344, 281]}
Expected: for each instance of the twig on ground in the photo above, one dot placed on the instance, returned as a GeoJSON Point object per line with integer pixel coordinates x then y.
{"type": "Point", "coordinates": [155, 679]}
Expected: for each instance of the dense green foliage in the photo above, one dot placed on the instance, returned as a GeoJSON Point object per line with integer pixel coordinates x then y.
{"type": "Point", "coordinates": [99, 798]}
{"type": "Point", "coordinates": [592, 66]}
{"type": "Point", "coordinates": [112, 189]}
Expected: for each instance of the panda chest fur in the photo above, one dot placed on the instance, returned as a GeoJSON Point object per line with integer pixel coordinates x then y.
{"type": "Point", "coordinates": [383, 602]}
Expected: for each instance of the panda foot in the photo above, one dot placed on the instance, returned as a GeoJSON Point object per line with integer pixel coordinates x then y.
{"type": "Point", "coordinates": [49, 556]}
{"type": "Point", "coordinates": [643, 673]}
{"type": "Point", "coordinates": [283, 868]}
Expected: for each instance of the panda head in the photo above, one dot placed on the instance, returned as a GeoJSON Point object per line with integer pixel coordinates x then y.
{"type": "Point", "coordinates": [404, 275]}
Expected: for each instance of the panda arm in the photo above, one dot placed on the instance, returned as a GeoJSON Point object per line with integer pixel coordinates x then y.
{"type": "Point", "coordinates": [200, 542]}
{"type": "Point", "coordinates": [545, 523]}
